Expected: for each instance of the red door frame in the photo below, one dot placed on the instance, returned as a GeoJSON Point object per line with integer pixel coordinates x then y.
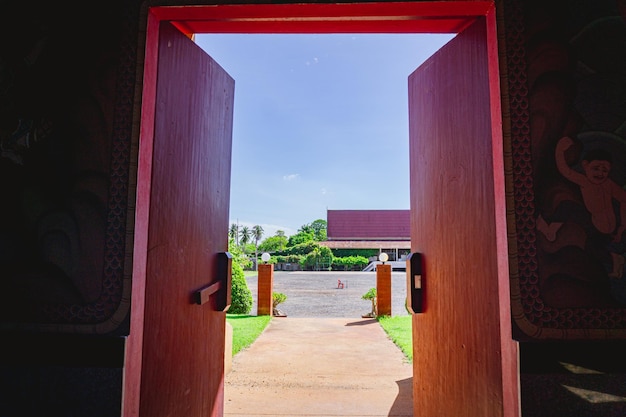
{"type": "Point", "coordinates": [383, 17]}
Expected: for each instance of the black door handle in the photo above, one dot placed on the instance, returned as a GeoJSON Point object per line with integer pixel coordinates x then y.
{"type": "Point", "coordinates": [219, 292]}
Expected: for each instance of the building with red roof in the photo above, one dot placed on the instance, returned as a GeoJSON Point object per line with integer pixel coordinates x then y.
{"type": "Point", "coordinates": [385, 230]}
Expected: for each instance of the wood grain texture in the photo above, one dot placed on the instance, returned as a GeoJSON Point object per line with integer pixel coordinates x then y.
{"type": "Point", "coordinates": [458, 341]}
{"type": "Point", "coordinates": [321, 17]}
{"type": "Point", "coordinates": [265, 289]}
{"type": "Point", "coordinates": [183, 346]}
{"type": "Point", "coordinates": [383, 290]}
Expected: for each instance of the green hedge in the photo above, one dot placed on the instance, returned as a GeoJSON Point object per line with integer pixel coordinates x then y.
{"type": "Point", "coordinates": [241, 296]}
{"type": "Point", "coordinates": [289, 259]}
{"type": "Point", "coordinates": [349, 263]}
{"type": "Point", "coordinates": [367, 253]}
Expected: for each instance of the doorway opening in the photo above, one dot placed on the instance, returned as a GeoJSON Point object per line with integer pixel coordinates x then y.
{"type": "Point", "coordinates": [320, 122]}
{"type": "Point", "coordinates": [414, 17]}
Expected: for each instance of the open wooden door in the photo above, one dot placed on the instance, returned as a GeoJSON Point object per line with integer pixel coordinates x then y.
{"type": "Point", "coordinates": [465, 361]}
{"type": "Point", "coordinates": [182, 366]}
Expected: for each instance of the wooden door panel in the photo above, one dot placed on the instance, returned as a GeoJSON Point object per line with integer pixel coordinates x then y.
{"type": "Point", "coordinates": [183, 346]}
{"type": "Point", "coordinates": [464, 357]}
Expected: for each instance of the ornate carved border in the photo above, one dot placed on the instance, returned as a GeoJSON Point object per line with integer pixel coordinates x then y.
{"type": "Point", "coordinates": [530, 314]}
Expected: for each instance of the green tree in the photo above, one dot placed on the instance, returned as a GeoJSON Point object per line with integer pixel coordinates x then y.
{"type": "Point", "coordinates": [301, 248]}
{"type": "Point", "coordinates": [244, 236]}
{"type": "Point", "coordinates": [257, 233]}
{"type": "Point", "coordinates": [320, 228]}
{"type": "Point", "coordinates": [315, 231]}
{"type": "Point", "coordinates": [302, 236]}
{"type": "Point", "coordinates": [320, 257]}
{"type": "Point", "coordinates": [306, 228]}
{"type": "Point", "coordinates": [233, 232]}
{"type": "Point", "coordinates": [274, 244]}
{"type": "Point", "coordinates": [248, 249]}
{"type": "Point", "coordinates": [238, 256]}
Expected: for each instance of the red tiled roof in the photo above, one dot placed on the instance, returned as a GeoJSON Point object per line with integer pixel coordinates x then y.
{"type": "Point", "coordinates": [368, 224]}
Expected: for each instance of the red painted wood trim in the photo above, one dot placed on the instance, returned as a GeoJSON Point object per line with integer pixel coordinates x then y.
{"type": "Point", "coordinates": [383, 17]}
{"type": "Point", "coordinates": [320, 11]}
{"type": "Point", "coordinates": [133, 361]}
{"type": "Point", "coordinates": [325, 26]}
{"type": "Point", "coordinates": [509, 348]}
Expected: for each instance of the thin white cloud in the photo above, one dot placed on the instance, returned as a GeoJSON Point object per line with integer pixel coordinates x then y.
{"type": "Point", "coordinates": [268, 228]}
{"type": "Point", "coordinates": [291, 177]}
{"type": "Point", "coordinates": [315, 61]}
{"type": "Point", "coordinates": [324, 191]}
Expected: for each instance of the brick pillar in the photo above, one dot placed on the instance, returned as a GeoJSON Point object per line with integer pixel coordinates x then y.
{"type": "Point", "coordinates": [265, 286]}
{"type": "Point", "coordinates": [383, 290]}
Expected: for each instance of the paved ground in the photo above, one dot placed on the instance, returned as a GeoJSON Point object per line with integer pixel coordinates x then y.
{"type": "Point", "coordinates": [315, 294]}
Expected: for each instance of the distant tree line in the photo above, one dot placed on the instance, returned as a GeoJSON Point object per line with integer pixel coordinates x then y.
{"type": "Point", "coordinates": [302, 248]}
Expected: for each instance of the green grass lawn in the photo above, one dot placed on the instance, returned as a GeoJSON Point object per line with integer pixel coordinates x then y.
{"type": "Point", "coordinates": [398, 328]}
{"type": "Point", "coordinates": [247, 328]}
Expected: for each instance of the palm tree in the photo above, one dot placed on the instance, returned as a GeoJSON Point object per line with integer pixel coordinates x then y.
{"type": "Point", "coordinates": [233, 232]}
{"type": "Point", "coordinates": [244, 236]}
{"type": "Point", "coordinates": [257, 233]}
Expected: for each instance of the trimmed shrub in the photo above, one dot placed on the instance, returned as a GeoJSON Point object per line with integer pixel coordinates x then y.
{"type": "Point", "coordinates": [277, 298]}
{"type": "Point", "coordinates": [366, 253]}
{"type": "Point", "coordinates": [371, 295]}
{"type": "Point", "coordinates": [294, 259]}
{"type": "Point", "coordinates": [350, 263]}
{"type": "Point", "coordinates": [241, 295]}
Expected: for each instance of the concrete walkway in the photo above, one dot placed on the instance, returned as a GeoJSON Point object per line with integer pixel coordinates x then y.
{"type": "Point", "coordinates": [318, 367]}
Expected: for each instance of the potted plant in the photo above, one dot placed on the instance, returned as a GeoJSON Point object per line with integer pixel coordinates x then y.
{"type": "Point", "coordinates": [370, 295]}
{"type": "Point", "coordinates": [277, 298]}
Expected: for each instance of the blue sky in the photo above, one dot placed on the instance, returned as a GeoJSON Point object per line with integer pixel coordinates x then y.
{"type": "Point", "coordinates": [320, 122]}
